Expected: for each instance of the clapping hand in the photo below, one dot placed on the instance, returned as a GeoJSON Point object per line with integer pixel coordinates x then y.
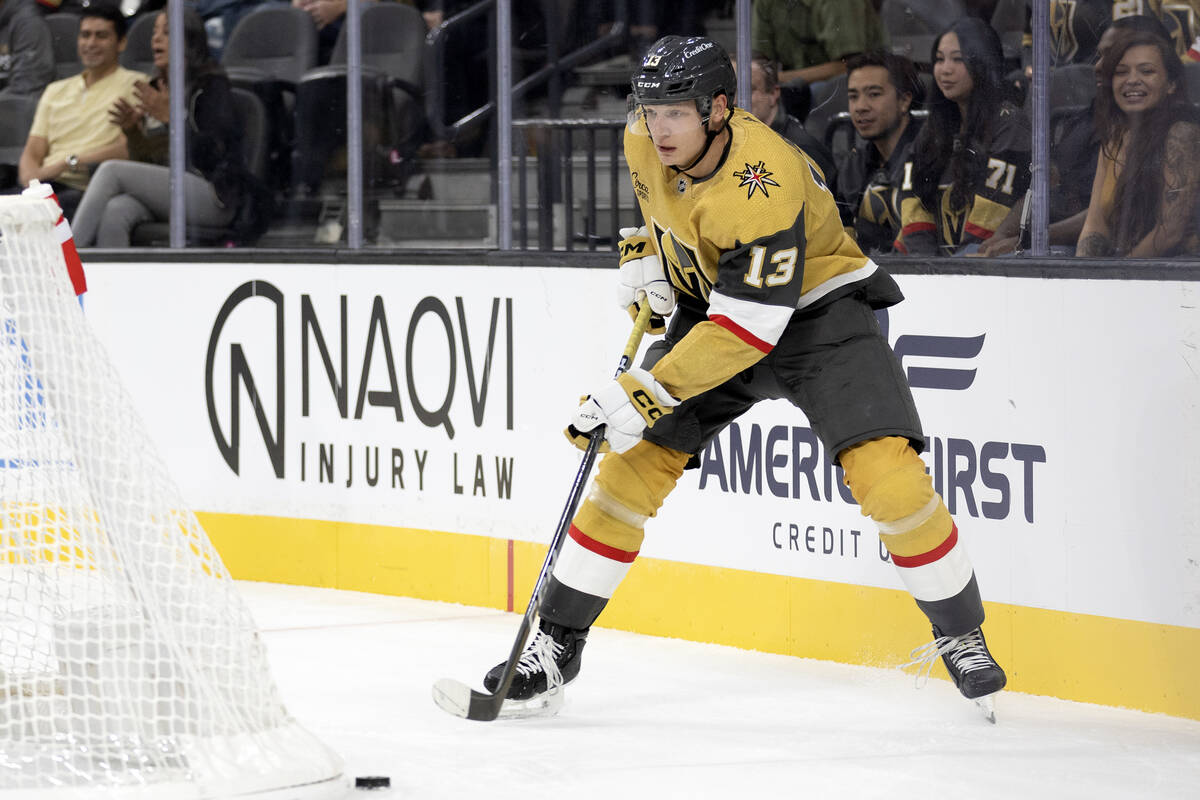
{"type": "Point", "coordinates": [153, 100]}
{"type": "Point", "coordinates": [124, 115]}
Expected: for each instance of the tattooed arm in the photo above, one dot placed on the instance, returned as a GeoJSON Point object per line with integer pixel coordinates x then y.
{"type": "Point", "coordinates": [1094, 244]}
{"type": "Point", "coordinates": [1181, 182]}
{"type": "Point", "coordinates": [1096, 239]}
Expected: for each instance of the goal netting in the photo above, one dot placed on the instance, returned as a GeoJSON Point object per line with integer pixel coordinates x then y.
{"type": "Point", "coordinates": [129, 664]}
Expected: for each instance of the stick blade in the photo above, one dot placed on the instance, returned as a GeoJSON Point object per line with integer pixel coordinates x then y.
{"type": "Point", "coordinates": [462, 701]}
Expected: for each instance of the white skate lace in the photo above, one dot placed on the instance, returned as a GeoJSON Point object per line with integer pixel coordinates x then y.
{"type": "Point", "coordinates": [967, 652]}
{"type": "Point", "coordinates": [542, 656]}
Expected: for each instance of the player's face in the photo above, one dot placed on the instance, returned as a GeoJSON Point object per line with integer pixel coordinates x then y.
{"type": "Point", "coordinates": [97, 43]}
{"type": "Point", "coordinates": [159, 42]}
{"type": "Point", "coordinates": [677, 130]}
{"type": "Point", "coordinates": [876, 107]}
{"type": "Point", "coordinates": [950, 70]}
{"type": "Point", "coordinates": [1140, 80]}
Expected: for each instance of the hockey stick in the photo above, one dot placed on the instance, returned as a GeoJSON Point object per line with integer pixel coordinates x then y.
{"type": "Point", "coordinates": [461, 700]}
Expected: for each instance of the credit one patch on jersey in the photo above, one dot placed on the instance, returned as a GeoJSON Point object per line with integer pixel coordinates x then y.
{"type": "Point", "coordinates": [756, 177]}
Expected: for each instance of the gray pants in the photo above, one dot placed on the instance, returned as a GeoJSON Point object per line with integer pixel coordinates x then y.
{"type": "Point", "coordinates": [123, 194]}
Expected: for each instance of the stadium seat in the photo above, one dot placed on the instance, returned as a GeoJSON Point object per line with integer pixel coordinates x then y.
{"type": "Point", "coordinates": [273, 42]}
{"type": "Point", "coordinates": [912, 25]}
{"type": "Point", "coordinates": [253, 116]}
{"type": "Point", "coordinates": [138, 55]}
{"type": "Point", "coordinates": [1070, 85]}
{"type": "Point", "coordinates": [64, 38]}
{"type": "Point", "coordinates": [829, 98]}
{"type": "Point", "coordinates": [267, 52]}
{"type": "Point", "coordinates": [1008, 18]}
{"type": "Point", "coordinates": [931, 16]}
{"type": "Point", "coordinates": [393, 49]}
{"type": "Point", "coordinates": [1191, 76]}
{"type": "Point", "coordinates": [16, 115]}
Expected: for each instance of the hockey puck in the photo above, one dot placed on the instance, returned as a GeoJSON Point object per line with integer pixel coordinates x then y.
{"type": "Point", "coordinates": [372, 782]}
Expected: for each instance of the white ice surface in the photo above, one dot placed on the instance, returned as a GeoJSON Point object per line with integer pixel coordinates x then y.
{"type": "Point", "coordinates": [663, 718]}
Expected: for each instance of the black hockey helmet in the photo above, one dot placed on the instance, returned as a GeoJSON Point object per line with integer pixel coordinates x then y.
{"type": "Point", "coordinates": [676, 69]}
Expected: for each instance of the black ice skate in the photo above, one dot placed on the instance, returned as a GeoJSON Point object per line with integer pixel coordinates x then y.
{"type": "Point", "coordinates": [974, 672]}
{"type": "Point", "coordinates": [549, 662]}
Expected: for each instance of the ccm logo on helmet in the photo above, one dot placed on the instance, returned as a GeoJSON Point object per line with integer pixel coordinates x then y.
{"type": "Point", "coordinates": [649, 84]}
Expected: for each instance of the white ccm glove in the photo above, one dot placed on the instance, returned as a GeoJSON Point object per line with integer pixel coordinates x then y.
{"type": "Point", "coordinates": [626, 406]}
{"type": "Point", "coordinates": [642, 278]}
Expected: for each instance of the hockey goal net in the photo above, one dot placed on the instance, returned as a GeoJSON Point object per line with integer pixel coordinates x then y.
{"type": "Point", "coordinates": [129, 664]}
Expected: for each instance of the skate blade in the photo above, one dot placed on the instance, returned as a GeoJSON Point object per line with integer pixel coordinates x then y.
{"type": "Point", "coordinates": [987, 704]}
{"type": "Point", "coordinates": [544, 705]}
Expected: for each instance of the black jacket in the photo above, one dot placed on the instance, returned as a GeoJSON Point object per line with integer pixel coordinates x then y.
{"type": "Point", "coordinates": [214, 144]}
{"type": "Point", "coordinates": [26, 53]}
{"type": "Point", "coordinates": [867, 193]}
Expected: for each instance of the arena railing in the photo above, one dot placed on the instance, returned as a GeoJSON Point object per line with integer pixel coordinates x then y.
{"type": "Point", "coordinates": [555, 183]}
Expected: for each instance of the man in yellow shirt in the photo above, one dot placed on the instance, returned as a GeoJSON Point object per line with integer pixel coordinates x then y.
{"type": "Point", "coordinates": [71, 131]}
{"type": "Point", "coordinates": [768, 298]}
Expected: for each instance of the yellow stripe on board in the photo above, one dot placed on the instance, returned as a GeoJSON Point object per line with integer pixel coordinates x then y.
{"type": "Point", "coordinates": [1081, 657]}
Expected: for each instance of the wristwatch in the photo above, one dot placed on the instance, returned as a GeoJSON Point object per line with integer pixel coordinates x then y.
{"type": "Point", "coordinates": [72, 161]}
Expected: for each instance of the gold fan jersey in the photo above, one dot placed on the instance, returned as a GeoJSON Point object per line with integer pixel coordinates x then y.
{"type": "Point", "coordinates": [1076, 26]}
{"type": "Point", "coordinates": [749, 246]}
{"type": "Point", "coordinates": [1181, 18]}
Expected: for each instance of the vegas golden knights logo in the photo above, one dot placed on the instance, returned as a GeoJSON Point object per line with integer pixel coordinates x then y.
{"type": "Point", "coordinates": [682, 263]}
{"type": "Point", "coordinates": [1062, 31]}
{"type": "Point", "coordinates": [876, 207]}
{"type": "Point", "coordinates": [952, 219]}
{"type": "Point", "coordinates": [1180, 20]}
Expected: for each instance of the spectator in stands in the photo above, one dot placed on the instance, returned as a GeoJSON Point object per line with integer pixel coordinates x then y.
{"type": "Point", "coordinates": [123, 194]}
{"type": "Point", "coordinates": [328, 16]}
{"type": "Point", "coordinates": [1076, 28]}
{"type": "Point", "coordinates": [764, 104]}
{"type": "Point", "coordinates": [1073, 157]}
{"type": "Point", "coordinates": [812, 38]}
{"type": "Point", "coordinates": [1074, 32]}
{"type": "Point", "coordinates": [71, 132]}
{"type": "Point", "coordinates": [221, 17]}
{"type": "Point", "coordinates": [26, 54]}
{"type": "Point", "coordinates": [882, 89]}
{"type": "Point", "coordinates": [970, 163]}
{"type": "Point", "coordinates": [1144, 196]}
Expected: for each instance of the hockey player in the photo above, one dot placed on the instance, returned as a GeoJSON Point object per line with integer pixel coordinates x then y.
{"type": "Point", "coordinates": [774, 301]}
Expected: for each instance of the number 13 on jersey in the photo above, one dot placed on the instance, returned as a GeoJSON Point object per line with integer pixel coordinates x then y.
{"type": "Point", "coordinates": [782, 263]}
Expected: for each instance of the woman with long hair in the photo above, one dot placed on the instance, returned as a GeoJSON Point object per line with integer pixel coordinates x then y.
{"type": "Point", "coordinates": [970, 163]}
{"type": "Point", "coordinates": [1148, 172]}
{"type": "Point", "coordinates": [124, 194]}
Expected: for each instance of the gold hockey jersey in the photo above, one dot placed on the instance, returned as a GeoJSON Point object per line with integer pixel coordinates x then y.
{"type": "Point", "coordinates": [749, 246]}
